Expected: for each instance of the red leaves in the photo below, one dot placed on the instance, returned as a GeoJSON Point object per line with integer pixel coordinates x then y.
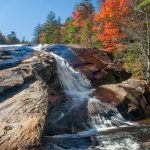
{"type": "Point", "coordinates": [83, 11]}
{"type": "Point", "coordinates": [78, 21]}
{"type": "Point", "coordinates": [107, 23]}
{"type": "Point", "coordinates": [110, 17]}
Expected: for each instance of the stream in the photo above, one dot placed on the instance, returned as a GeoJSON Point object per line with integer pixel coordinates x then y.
{"type": "Point", "coordinates": [103, 127]}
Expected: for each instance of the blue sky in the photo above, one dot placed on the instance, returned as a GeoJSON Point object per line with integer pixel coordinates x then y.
{"type": "Point", "coordinates": [22, 16]}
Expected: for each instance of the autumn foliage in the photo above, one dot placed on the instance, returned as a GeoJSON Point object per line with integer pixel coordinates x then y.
{"type": "Point", "coordinates": [83, 20]}
{"type": "Point", "coordinates": [109, 22]}
{"type": "Point", "coordinates": [82, 12]}
{"type": "Point", "coordinates": [109, 28]}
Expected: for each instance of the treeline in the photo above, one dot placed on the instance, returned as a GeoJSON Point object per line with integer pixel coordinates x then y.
{"type": "Point", "coordinates": [53, 31]}
{"type": "Point", "coordinates": [116, 23]}
{"type": "Point", "coordinates": [11, 39]}
{"type": "Point", "coordinates": [49, 32]}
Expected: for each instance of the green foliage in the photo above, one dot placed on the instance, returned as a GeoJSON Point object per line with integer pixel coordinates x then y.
{"type": "Point", "coordinates": [51, 29]}
{"type": "Point", "coordinates": [85, 7]}
{"type": "Point", "coordinates": [36, 34]}
{"type": "Point", "coordinates": [12, 38]}
{"type": "Point", "coordinates": [70, 32]}
{"type": "Point", "coordinates": [87, 33]}
{"type": "Point", "coordinates": [2, 39]}
{"type": "Point", "coordinates": [134, 61]}
{"type": "Point", "coordinates": [144, 4]}
{"type": "Point", "coordinates": [119, 54]}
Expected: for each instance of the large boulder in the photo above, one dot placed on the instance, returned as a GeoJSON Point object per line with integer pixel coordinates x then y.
{"type": "Point", "coordinates": [25, 97]}
{"type": "Point", "coordinates": [128, 96]}
{"type": "Point", "coordinates": [99, 67]}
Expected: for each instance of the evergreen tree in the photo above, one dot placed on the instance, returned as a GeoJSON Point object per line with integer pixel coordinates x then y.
{"type": "Point", "coordinates": [51, 31]}
{"type": "Point", "coordinates": [70, 32]}
{"type": "Point", "coordinates": [58, 31]}
{"type": "Point", "coordinates": [2, 39]}
{"type": "Point", "coordinates": [12, 38]}
{"type": "Point", "coordinates": [36, 34]}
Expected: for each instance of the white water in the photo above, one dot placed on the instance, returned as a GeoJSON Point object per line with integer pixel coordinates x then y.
{"type": "Point", "coordinates": [15, 45]}
{"type": "Point", "coordinates": [74, 83]}
{"type": "Point", "coordinates": [12, 47]}
{"type": "Point", "coordinates": [124, 144]}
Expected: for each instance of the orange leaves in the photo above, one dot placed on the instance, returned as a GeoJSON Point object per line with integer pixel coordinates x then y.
{"type": "Point", "coordinates": [111, 16]}
{"type": "Point", "coordinates": [113, 9]}
{"type": "Point", "coordinates": [108, 23]}
{"type": "Point", "coordinates": [76, 16]}
{"type": "Point", "coordinates": [78, 21]}
{"type": "Point", "coordinates": [110, 33]}
{"type": "Point", "coordinates": [84, 10]}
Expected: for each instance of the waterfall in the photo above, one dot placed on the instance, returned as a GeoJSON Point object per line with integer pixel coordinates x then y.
{"type": "Point", "coordinates": [79, 89]}
{"type": "Point", "coordinates": [74, 83]}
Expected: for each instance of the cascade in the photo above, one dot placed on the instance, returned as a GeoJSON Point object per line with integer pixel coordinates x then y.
{"type": "Point", "coordinates": [79, 89]}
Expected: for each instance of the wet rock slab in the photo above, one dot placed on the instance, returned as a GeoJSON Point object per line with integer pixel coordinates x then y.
{"type": "Point", "coordinates": [24, 100]}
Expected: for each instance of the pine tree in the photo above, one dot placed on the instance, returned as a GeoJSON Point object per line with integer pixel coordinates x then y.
{"type": "Point", "coordinates": [12, 38]}
{"type": "Point", "coordinates": [2, 39]}
{"type": "Point", "coordinates": [36, 34]}
{"type": "Point", "coordinates": [51, 33]}
{"type": "Point", "coordinates": [70, 32]}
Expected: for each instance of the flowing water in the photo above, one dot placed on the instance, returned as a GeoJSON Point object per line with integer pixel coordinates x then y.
{"type": "Point", "coordinates": [79, 89]}
{"type": "Point", "coordinates": [13, 54]}
{"type": "Point", "coordinates": [107, 129]}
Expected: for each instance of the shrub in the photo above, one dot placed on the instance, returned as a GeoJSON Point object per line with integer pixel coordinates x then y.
{"type": "Point", "coordinates": [133, 60]}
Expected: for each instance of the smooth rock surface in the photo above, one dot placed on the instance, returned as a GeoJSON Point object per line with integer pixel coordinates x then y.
{"type": "Point", "coordinates": [128, 97]}
{"type": "Point", "coordinates": [24, 101]}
